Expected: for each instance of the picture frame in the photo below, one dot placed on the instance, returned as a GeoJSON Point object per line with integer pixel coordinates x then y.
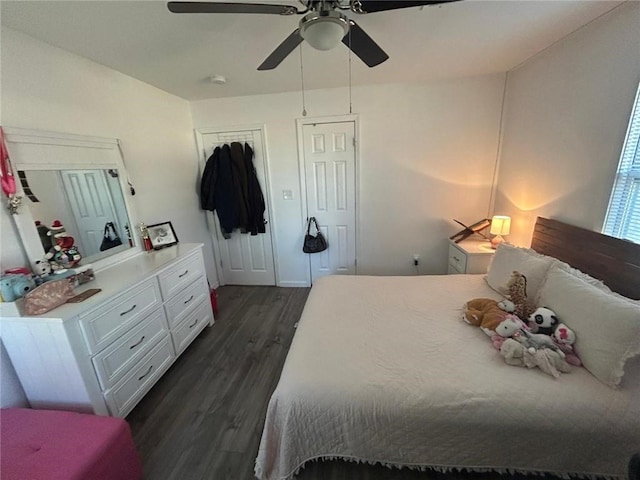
{"type": "Point", "coordinates": [162, 235]}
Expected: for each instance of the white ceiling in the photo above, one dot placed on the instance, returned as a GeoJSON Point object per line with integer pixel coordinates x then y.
{"type": "Point", "coordinates": [177, 53]}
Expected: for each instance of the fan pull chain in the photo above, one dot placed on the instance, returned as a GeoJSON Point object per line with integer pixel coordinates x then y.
{"type": "Point", "coordinates": [350, 104]}
{"type": "Point", "coordinates": [304, 109]}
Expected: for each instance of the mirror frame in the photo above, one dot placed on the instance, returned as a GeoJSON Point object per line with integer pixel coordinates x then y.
{"type": "Point", "coordinates": [52, 149]}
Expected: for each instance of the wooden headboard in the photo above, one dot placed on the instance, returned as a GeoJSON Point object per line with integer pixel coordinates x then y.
{"type": "Point", "coordinates": [616, 262]}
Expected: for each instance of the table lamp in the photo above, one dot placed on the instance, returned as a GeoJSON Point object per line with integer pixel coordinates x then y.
{"type": "Point", "coordinates": [500, 225]}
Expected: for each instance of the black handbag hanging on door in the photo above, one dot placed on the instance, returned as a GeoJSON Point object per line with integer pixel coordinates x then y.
{"type": "Point", "coordinates": [110, 238]}
{"type": "Point", "coordinates": [314, 243]}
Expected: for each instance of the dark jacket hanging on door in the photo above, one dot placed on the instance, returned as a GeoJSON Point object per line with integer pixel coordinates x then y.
{"type": "Point", "coordinates": [208, 182]}
{"type": "Point", "coordinates": [240, 186]}
{"type": "Point", "coordinates": [255, 197]}
{"type": "Point", "coordinates": [230, 187]}
{"type": "Point", "coordinates": [217, 190]}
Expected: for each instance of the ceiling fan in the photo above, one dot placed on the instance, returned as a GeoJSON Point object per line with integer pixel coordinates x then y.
{"type": "Point", "coordinates": [323, 25]}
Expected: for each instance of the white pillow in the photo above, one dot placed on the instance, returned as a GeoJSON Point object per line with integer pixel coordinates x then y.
{"type": "Point", "coordinates": [583, 276]}
{"type": "Point", "coordinates": [607, 327]}
{"type": "Point", "coordinates": [524, 260]}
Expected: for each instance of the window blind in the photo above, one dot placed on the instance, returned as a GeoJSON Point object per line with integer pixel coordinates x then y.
{"type": "Point", "coordinates": [623, 214]}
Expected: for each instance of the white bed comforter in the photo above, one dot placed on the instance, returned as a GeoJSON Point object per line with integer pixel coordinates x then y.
{"type": "Point", "coordinates": [383, 369]}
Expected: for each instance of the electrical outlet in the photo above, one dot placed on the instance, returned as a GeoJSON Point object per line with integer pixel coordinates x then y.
{"type": "Point", "coordinates": [416, 259]}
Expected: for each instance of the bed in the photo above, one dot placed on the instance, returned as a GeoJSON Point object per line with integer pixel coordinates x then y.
{"type": "Point", "coordinates": [384, 370]}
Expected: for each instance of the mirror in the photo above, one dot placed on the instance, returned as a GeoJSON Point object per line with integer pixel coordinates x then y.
{"type": "Point", "coordinates": [79, 204]}
{"type": "Point", "coordinates": [73, 185]}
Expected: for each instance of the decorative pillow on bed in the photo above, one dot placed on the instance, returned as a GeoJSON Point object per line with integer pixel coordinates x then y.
{"type": "Point", "coordinates": [526, 261]}
{"type": "Point", "coordinates": [607, 327]}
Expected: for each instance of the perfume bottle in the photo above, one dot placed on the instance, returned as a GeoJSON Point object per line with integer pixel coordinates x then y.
{"type": "Point", "coordinates": [128, 231]}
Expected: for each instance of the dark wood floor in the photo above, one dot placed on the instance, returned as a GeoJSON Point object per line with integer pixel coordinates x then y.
{"type": "Point", "coordinates": [204, 418]}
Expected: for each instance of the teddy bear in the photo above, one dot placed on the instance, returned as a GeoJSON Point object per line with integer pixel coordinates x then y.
{"type": "Point", "coordinates": [486, 312]}
{"type": "Point", "coordinates": [565, 338]}
{"type": "Point", "coordinates": [517, 287]}
{"type": "Point", "coordinates": [543, 320]}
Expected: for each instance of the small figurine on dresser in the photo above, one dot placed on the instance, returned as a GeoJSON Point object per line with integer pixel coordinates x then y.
{"type": "Point", "coordinates": [146, 241]}
{"type": "Point", "coordinates": [63, 254]}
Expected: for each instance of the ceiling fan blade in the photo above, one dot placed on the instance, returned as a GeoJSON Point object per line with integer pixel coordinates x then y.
{"type": "Point", "coordinates": [372, 6]}
{"type": "Point", "coordinates": [222, 7]}
{"type": "Point", "coordinates": [281, 52]}
{"type": "Point", "coordinates": [363, 45]}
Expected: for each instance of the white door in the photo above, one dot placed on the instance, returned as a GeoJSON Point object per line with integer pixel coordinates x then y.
{"type": "Point", "coordinates": [330, 177]}
{"type": "Point", "coordinates": [243, 259]}
{"type": "Point", "coordinates": [90, 202]}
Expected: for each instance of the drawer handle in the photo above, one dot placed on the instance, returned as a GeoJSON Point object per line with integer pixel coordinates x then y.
{"type": "Point", "coordinates": [129, 311]}
{"type": "Point", "coordinates": [187, 301]}
{"type": "Point", "coordinates": [147, 373]}
{"type": "Point", "coordinates": [193, 324]}
{"type": "Point", "coordinates": [136, 344]}
{"type": "Point", "coordinates": [185, 272]}
{"type": "Point", "coordinates": [456, 258]}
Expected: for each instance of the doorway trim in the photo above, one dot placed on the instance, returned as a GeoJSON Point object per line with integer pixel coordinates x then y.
{"type": "Point", "coordinates": [202, 159]}
{"type": "Point", "coordinates": [300, 123]}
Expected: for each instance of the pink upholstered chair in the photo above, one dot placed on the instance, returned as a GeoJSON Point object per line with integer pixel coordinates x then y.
{"type": "Point", "coordinates": [57, 445]}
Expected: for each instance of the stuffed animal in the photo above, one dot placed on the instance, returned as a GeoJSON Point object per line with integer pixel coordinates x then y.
{"type": "Point", "coordinates": [565, 338]}
{"type": "Point", "coordinates": [517, 287]}
{"type": "Point", "coordinates": [41, 270]}
{"type": "Point", "coordinates": [497, 338]}
{"type": "Point", "coordinates": [543, 320]}
{"type": "Point", "coordinates": [549, 361]}
{"type": "Point", "coordinates": [486, 312]}
{"type": "Point", "coordinates": [510, 328]}
{"type": "Point", "coordinates": [506, 305]}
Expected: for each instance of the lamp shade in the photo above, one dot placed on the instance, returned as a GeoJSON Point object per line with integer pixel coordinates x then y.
{"type": "Point", "coordinates": [324, 30]}
{"type": "Point", "coordinates": [500, 225]}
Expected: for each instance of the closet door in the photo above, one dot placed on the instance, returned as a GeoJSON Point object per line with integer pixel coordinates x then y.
{"type": "Point", "coordinates": [243, 259]}
{"type": "Point", "coordinates": [330, 177]}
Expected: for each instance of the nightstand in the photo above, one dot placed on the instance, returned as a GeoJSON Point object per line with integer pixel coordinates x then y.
{"type": "Point", "coordinates": [469, 256]}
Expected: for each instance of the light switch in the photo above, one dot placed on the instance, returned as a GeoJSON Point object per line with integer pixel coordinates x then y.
{"type": "Point", "coordinates": [287, 194]}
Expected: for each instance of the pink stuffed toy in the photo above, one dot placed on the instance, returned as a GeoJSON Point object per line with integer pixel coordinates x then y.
{"type": "Point", "coordinates": [498, 340]}
{"type": "Point", "coordinates": [564, 337]}
{"type": "Point", "coordinates": [515, 328]}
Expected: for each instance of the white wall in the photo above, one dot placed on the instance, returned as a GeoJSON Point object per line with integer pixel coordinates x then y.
{"type": "Point", "coordinates": [427, 154]}
{"type": "Point", "coordinates": [46, 88]}
{"type": "Point", "coordinates": [566, 116]}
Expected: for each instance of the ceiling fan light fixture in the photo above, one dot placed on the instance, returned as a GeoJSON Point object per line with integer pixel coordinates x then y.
{"type": "Point", "coordinates": [324, 30]}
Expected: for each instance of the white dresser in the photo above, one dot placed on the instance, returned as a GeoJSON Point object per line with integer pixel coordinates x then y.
{"type": "Point", "coordinates": [104, 354]}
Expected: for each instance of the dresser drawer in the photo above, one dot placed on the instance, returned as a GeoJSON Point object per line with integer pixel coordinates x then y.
{"type": "Point", "coordinates": [185, 301]}
{"type": "Point", "coordinates": [103, 325]}
{"type": "Point", "coordinates": [179, 276]}
{"type": "Point", "coordinates": [126, 393]}
{"type": "Point", "coordinates": [184, 334]}
{"type": "Point", "coordinates": [115, 361]}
